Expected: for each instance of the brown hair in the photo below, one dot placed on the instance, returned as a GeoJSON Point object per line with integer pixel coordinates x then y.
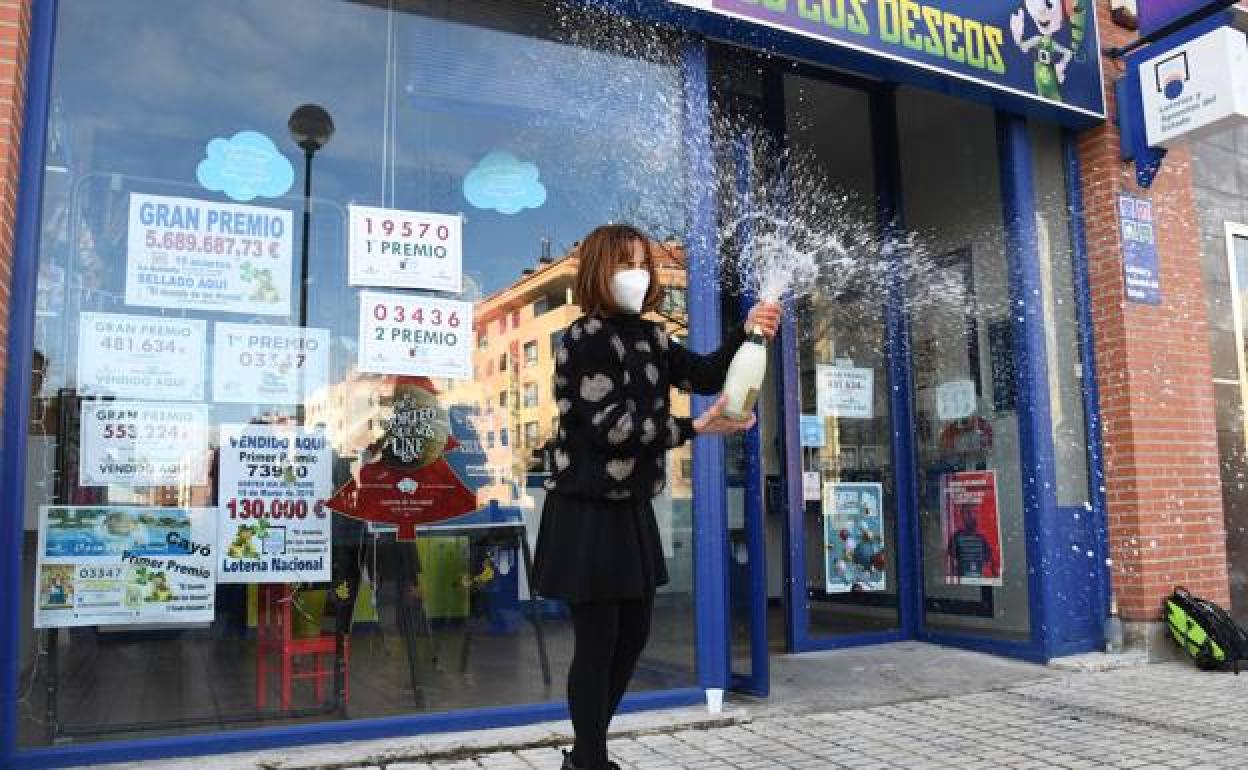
{"type": "Point", "coordinates": [598, 254]}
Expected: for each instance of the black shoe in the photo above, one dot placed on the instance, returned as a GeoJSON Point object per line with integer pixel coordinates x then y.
{"type": "Point", "coordinates": [568, 764]}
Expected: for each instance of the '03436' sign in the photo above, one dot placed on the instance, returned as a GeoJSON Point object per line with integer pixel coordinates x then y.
{"type": "Point", "coordinates": [422, 336]}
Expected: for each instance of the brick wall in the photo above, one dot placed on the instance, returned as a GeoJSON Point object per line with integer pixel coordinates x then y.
{"type": "Point", "coordinates": [14, 46]}
{"type": "Point", "coordinates": [1154, 374]}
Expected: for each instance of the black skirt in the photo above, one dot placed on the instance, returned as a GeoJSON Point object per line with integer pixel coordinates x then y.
{"type": "Point", "coordinates": [597, 550]}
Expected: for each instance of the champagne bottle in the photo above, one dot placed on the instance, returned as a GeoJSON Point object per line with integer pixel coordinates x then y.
{"type": "Point", "coordinates": [745, 376]}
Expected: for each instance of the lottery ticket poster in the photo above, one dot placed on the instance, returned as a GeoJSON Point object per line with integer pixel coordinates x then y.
{"type": "Point", "coordinates": [143, 444]}
{"type": "Point", "coordinates": [149, 358]}
{"type": "Point", "coordinates": [405, 249]}
{"type": "Point", "coordinates": [120, 565]}
{"type": "Point", "coordinates": [274, 526]}
{"type": "Point", "coordinates": [855, 550]}
{"type": "Point", "coordinates": [204, 255]}
{"type": "Point", "coordinates": [413, 335]}
{"type": "Point", "coordinates": [261, 364]}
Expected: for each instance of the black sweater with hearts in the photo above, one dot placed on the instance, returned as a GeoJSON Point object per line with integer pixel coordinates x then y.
{"type": "Point", "coordinates": [613, 378]}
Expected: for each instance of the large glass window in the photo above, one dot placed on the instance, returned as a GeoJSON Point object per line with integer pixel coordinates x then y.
{"type": "Point", "coordinates": [970, 493]}
{"type": "Point", "coordinates": [1220, 181]}
{"type": "Point", "coordinates": [242, 436]}
{"type": "Point", "coordinates": [1061, 318]}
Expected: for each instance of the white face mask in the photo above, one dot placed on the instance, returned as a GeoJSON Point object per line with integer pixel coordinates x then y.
{"type": "Point", "coordinates": [628, 289]}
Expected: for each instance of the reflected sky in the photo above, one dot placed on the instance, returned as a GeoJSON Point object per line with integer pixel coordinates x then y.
{"type": "Point", "coordinates": [141, 88]}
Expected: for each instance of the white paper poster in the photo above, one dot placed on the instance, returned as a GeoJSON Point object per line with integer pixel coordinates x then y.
{"type": "Point", "coordinates": [118, 564]}
{"type": "Point", "coordinates": [402, 334]}
{"type": "Point", "coordinates": [955, 400]}
{"type": "Point", "coordinates": [254, 364]}
{"type": "Point", "coordinates": [274, 527]}
{"type": "Point", "coordinates": [405, 249]}
{"type": "Point", "coordinates": [845, 391]}
{"type": "Point", "coordinates": [812, 486]}
{"type": "Point", "coordinates": [143, 444]}
{"type": "Point", "coordinates": [203, 255]}
{"type": "Point", "coordinates": [144, 357]}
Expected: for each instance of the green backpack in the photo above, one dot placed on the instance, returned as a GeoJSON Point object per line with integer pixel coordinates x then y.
{"type": "Point", "coordinates": [1204, 631]}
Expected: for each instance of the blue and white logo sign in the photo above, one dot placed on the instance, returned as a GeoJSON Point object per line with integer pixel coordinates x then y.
{"type": "Point", "coordinates": [1196, 88]}
{"type": "Point", "coordinates": [1139, 250]}
{"type": "Point", "coordinates": [812, 431]}
{"type": "Point", "coordinates": [246, 166]}
{"type": "Point", "coordinates": [502, 182]}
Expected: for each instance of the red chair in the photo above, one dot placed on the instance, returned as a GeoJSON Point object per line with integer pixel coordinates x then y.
{"type": "Point", "coordinates": [275, 632]}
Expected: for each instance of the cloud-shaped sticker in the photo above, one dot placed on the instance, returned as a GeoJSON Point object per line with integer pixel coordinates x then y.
{"type": "Point", "coordinates": [245, 166]}
{"type": "Point", "coordinates": [505, 184]}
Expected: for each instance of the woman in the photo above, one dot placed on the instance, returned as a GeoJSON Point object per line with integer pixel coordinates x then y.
{"type": "Point", "coordinates": [598, 547]}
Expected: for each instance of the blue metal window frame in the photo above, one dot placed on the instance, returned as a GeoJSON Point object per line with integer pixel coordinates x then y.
{"type": "Point", "coordinates": [1091, 391]}
{"type": "Point", "coordinates": [710, 526]}
{"type": "Point", "coordinates": [20, 349]}
{"type": "Point", "coordinates": [758, 681]}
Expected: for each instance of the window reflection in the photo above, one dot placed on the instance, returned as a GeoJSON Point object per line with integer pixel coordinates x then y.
{"type": "Point", "coordinates": [438, 108]}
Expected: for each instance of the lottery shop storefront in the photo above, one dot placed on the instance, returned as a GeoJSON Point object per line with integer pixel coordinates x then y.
{"type": "Point", "coordinates": [294, 303]}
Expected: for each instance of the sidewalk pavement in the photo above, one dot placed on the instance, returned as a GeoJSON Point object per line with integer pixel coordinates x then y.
{"type": "Point", "coordinates": [908, 705]}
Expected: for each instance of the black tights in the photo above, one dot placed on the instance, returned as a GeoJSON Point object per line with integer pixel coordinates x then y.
{"type": "Point", "coordinates": [610, 636]}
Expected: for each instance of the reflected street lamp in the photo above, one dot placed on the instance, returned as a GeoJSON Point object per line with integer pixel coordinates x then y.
{"type": "Point", "coordinates": [311, 128]}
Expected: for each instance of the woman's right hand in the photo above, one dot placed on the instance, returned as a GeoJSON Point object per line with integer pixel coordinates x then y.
{"type": "Point", "coordinates": [714, 422]}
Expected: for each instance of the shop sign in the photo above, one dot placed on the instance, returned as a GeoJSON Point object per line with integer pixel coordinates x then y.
{"type": "Point", "coordinates": [274, 525]}
{"type": "Point", "coordinates": [1038, 50]}
{"type": "Point", "coordinates": [142, 357]}
{"type": "Point", "coordinates": [143, 444]}
{"type": "Point", "coordinates": [119, 565]}
{"type": "Point", "coordinates": [1139, 250]}
{"type": "Point", "coordinates": [200, 255]}
{"type": "Point", "coordinates": [257, 364]}
{"type": "Point", "coordinates": [405, 249]}
{"type": "Point", "coordinates": [417, 336]}
{"type": "Point", "coordinates": [853, 537]}
{"type": "Point", "coordinates": [1195, 89]}
{"type": "Point", "coordinates": [971, 528]}
{"type": "Point", "coordinates": [813, 431]}
{"type": "Point", "coordinates": [845, 391]}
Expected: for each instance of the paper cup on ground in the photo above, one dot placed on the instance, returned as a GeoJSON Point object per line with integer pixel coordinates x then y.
{"type": "Point", "coordinates": [714, 700]}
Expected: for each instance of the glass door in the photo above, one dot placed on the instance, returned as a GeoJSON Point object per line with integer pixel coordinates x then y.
{"type": "Point", "coordinates": [737, 107]}
{"type": "Point", "coordinates": [843, 555]}
{"type": "Point", "coordinates": [971, 516]}
{"type": "Point", "coordinates": [1232, 395]}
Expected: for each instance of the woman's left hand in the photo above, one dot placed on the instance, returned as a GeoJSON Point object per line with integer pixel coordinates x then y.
{"type": "Point", "coordinates": [766, 317]}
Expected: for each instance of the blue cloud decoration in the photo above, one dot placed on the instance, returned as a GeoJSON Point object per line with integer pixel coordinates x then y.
{"type": "Point", "coordinates": [504, 183]}
{"type": "Point", "coordinates": [245, 166]}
